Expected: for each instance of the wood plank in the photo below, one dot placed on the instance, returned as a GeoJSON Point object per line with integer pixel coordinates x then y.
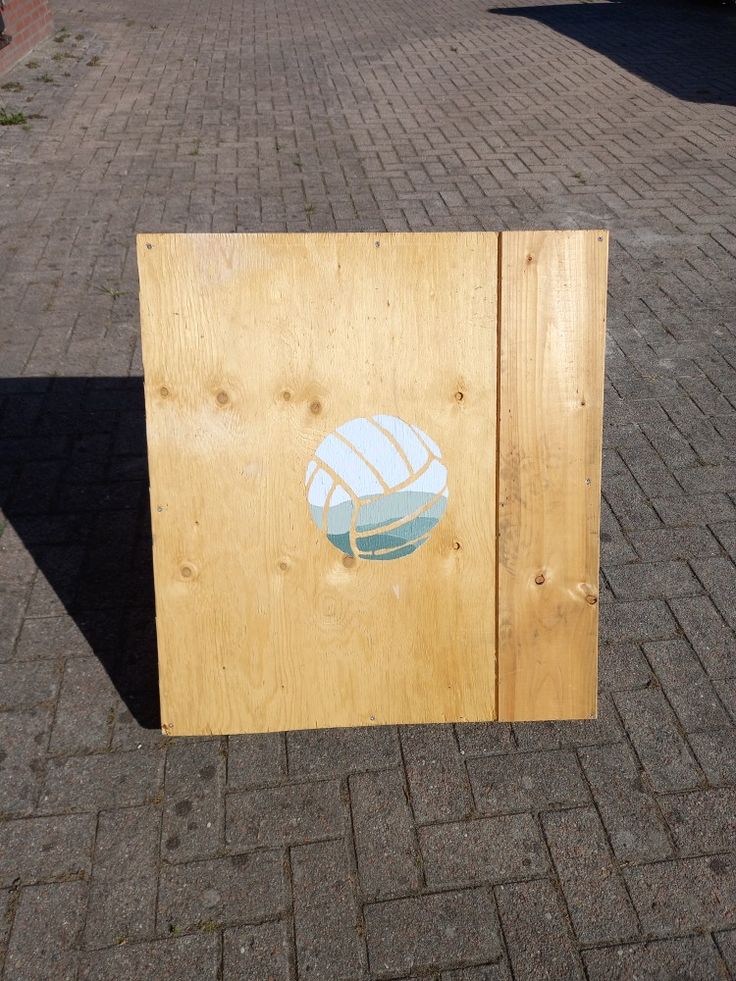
{"type": "Point", "coordinates": [551, 360]}
{"type": "Point", "coordinates": [256, 347]}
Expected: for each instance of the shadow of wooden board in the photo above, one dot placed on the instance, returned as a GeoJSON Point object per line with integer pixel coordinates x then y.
{"type": "Point", "coordinates": [375, 475]}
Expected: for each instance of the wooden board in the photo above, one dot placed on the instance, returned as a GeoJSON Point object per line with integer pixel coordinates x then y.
{"type": "Point", "coordinates": [257, 348]}
{"type": "Point", "coordinates": [552, 333]}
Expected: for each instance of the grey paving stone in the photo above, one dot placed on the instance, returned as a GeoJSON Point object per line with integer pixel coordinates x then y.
{"type": "Point", "coordinates": [701, 820]}
{"type": "Point", "coordinates": [23, 738]}
{"type": "Point", "coordinates": [124, 883]}
{"type": "Point", "coordinates": [726, 690]}
{"type": "Point", "coordinates": [727, 945]}
{"type": "Point", "coordinates": [686, 959]}
{"type": "Point", "coordinates": [659, 744]}
{"type": "Point", "coordinates": [24, 684]}
{"type": "Point", "coordinates": [7, 897]}
{"type": "Point", "coordinates": [487, 972]}
{"type": "Point", "coordinates": [687, 687]}
{"type": "Point", "coordinates": [193, 958]}
{"type": "Point", "coordinates": [194, 827]}
{"type": "Point", "coordinates": [257, 953]}
{"type": "Point", "coordinates": [712, 640]}
{"type": "Point", "coordinates": [13, 601]}
{"type": "Point", "coordinates": [50, 637]}
{"type": "Point", "coordinates": [385, 843]}
{"type": "Point", "coordinates": [438, 783]}
{"type": "Point", "coordinates": [285, 815]}
{"type": "Point", "coordinates": [716, 753]}
{"type": "Point", "coordinates": [606, 728]}
{"type": "Point", "coordinates": [595, 893]}
{"type": "Point", "coordinates": [537, 936]}
{"type": "Point", "coordinates": [425, 932]}
{"type": "Point", "coordinates": [328, 752]}
{"type": "Point", "coordinates": [622, 668]}
{"type": "Point", "coordinates": [683, 895]}
{"type": "Point", "coordinates": [48, 920]}
{"type": "Point", "coordinates": [655, 544]}
{"type": "Point", "coordinates": [85, 711]}
{"type": "Point", "coordinates": [194, 767]}
{"type": "Point", "coordinates": [487, 850]}
{"type": "Point", "coordinates": [631, 817]}
{"type": "Point", "coordinates": [718, 576]}
{"type": "Point", "coordinates": [527, 781]}
{"type": "Point", "coordinates": [484, 738]}
{"type": "Point", "coordinates": [39, 849]}
{"type": "Point", "coordinates": [694, 510]}
{"type": "Point", "coordinates": [327, 924]}
{"type": "Point", "coordinates": [646, 580]}
{"type": "Point", "coordinates": [255, 760]}
{"type": "Point", "coordinates": [622, 622]}
{"type": "Point", "coordinates": [88, 783]}
{"type": "Point", "coordinates": [243, 888]}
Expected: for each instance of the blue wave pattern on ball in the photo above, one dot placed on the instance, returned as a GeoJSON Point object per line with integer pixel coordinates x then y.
{"type": "Point", "coordinates": [377, 487]}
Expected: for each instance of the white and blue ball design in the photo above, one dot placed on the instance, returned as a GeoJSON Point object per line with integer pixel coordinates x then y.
{"type": "Point", "coordinates": [377, 487]}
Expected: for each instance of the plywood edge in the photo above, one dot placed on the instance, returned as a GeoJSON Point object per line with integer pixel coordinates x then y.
{"type": "Point", "coordinates": [552, 311]}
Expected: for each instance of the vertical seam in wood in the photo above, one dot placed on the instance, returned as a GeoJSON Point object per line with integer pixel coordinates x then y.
{"type": "Point", "coordinates": [497, 539]}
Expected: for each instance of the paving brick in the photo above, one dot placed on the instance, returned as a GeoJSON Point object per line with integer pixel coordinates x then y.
{"type": "Point", "coordinates": [23, 737]}
{"type": "Point", "coordinates": [13, 601]}
{"type": "Point", "coordinates": [487, 972]}
{"type": "Point", "coordinates": [688, 689]}
{"type": "Point", "coordinates": [386, 848]}
{"type": "Point", "coordinates": [253, 761]}
{"type": "Point", "coordinates": [716, 753]}
{"type": "Point", "coordinates": [426, 932]}
{"type": "Point", "coordinates": [285, 815]}
{"type": "Point", "coordinates": [631, 817]}
{"type": "Point", "coordinates": [328, 752]}
{"type": "Point", "coordinates": [194, 767]}
{"type": "Point", "coordinates": [194, 958]}
{"type": "Point", "coordinates": [691, 958]}
{"type": "Point", "coordinates": [24, 684]}
{"type": "Point", "coordinates": [712, 640]}
{"type": "Point", "coordinates": [438, 783]}
{"type": "Point", "coordinates": [645, 580]}
{"type": "Point", "coordinates": [487, 850]}
{"type": "Point", "coordinates": [606, 728]}
{"type": "Point", "coordinates": [85, 711]}
{"type": "Point", "coordinates": [50, 637]}
{"type": "Point", "coordinates": [39, 849]}
{"type": "Point", "coordinates": [653, 730]}
{"type": "Point", "coordinates": [727, 946]}
{"type": "Point", "coordinates": [527, 781]}
{"type": "Point", "coordinates": [622, 668]}
{"type": "Point", "coordinates": [244, 888]}
{"type": "Point", "coordinates": [718, 576]}
{"type": "Point", "coordinates": [124, 883]}
{"type": "Point", "coordinates": [257, 953]}
{"type": "Point", "coordinates": [88, 783]}
{"type": "Point", "coordinates": [622, 622]}
{"type": "Point", "coordinates": [696, 510]}
{"type": "Point", "coordinates": [701, 820]}
{"type": "Point", "coordinates": [537, 935]}
{"type": "Point", "coordinates": [654, 545]}
{"type": "Point", "coordinates": [327, 925]}
{"type": "Point", "coordinates": [685, 895]}
{"type": "Point", "coordinates": [193, 827]}
{"type": "Point", "coordinates": [484, 738]}
{"type": "Point", "coordinates": [595, 893]}
{"type": "Point", "coordinates": [48, 920]}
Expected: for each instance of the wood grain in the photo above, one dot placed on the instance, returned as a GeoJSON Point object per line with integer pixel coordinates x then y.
{"type": "Point", "coordinates": [255, 348]}
{"type": "Point", "coordinates": [552, 336]}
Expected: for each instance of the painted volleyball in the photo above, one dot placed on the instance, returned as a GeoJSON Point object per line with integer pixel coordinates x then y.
{"type": "Point", "coordinates": [377, 487]}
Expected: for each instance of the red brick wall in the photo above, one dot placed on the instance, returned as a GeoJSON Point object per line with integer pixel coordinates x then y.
{"type": "Point", "coordinates": [28, 22]}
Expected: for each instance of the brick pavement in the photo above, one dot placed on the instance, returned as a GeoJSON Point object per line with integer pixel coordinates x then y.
{"type": "Point", "coordinates": [469, 853]}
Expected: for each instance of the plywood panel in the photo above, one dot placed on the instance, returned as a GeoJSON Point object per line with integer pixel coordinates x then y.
{"type": "Point", "coordinates": [257, 348]}
{"type": "Point", "coordinates": [552, 313]}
